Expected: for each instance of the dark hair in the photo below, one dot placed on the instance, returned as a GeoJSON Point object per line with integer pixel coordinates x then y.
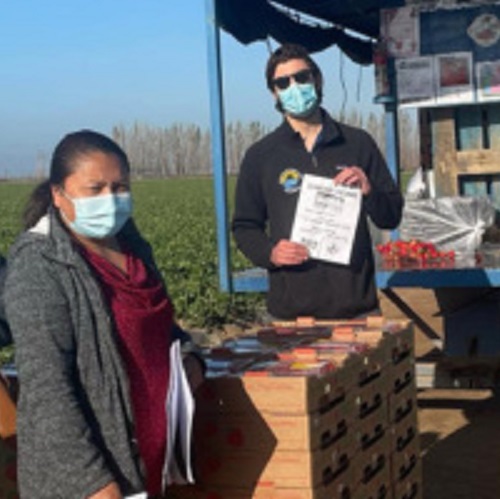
{"type": "Point", "coordinates": [64, 163]}
{"type": "Point", "coordinates": [286, 53]}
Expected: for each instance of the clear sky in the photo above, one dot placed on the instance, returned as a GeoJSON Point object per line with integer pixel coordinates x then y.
{"type": "Point", "coordinates": [66, 65]}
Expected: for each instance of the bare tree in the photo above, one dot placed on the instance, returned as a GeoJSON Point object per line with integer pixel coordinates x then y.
{"type": "Point", "coordinates": [181, 149]}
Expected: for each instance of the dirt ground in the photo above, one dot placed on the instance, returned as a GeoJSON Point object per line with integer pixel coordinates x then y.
{"type": "Point", "coordinates": [460, 443]}
{"type": "Point", "coordinates": [459, 428]}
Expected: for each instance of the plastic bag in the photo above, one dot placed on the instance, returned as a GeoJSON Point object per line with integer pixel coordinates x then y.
{"type": "Point", "coordinates": [451, 223]}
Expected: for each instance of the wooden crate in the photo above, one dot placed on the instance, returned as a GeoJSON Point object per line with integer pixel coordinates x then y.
{"type": "Point", "coordinates": [465, 142]}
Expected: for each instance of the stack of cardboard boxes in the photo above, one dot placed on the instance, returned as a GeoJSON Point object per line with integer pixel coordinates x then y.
{"type": "Point", "coordinates": [326, 418]}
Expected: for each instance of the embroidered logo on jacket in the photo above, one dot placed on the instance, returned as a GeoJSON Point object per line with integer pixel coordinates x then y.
{"type": "Point", "coordinates": [290, 179]}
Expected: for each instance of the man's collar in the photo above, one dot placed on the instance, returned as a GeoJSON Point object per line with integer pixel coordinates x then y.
{"type": "Point", "coordinates": [330, 130]}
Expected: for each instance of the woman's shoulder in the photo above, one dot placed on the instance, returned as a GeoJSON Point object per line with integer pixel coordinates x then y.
{"type": "Point", "coordinates": [28, 244]}
{"type": "Point", "coordinates": [29, 253]}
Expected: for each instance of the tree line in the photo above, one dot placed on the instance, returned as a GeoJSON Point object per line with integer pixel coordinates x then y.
{"type": "Point", "coordinates": [185, 149]}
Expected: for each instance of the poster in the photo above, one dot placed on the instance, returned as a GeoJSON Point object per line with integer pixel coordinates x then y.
{"type": "Point", "coordinates": [454, 78]}
{"type": "Point", "coordinates": [488, 80]}
{"type": "Point", "coordinates": [463, 42]}
{"type": "Point", "coordinates": [415, 80]}
{"type": "Point", "coordinates": [400, 31]}
{"type": "Point", "coordinates": [326, 219]}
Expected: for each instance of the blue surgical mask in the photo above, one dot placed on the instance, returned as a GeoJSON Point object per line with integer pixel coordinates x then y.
{"type": "Point", "coordinates": [299, 99]}
{"type": "Point", "coordinates": [99, 217]}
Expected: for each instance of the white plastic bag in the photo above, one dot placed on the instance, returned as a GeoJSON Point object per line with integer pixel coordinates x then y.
{"type": "Point", "coordinates": [451, 223]}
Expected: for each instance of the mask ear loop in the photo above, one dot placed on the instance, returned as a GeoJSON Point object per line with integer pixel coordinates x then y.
{"type": "Point", "coordinates": [60, 211]}
{"type": "Point", "coordinates": [278, 106]}
{"type": "Point", "coordinates": [65, 194]}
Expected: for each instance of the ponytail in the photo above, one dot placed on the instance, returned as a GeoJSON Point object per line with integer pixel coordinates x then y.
{"type": "Point", "coordinates": [38, 204]}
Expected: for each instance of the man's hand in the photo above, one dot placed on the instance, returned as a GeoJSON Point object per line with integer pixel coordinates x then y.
{"type": "Point", "coordinates": [288, 253]}
{"type": "Point", "coordinates": [354, 176]}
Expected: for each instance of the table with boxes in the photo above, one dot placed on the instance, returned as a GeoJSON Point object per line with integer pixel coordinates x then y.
{"type": "Point", "coordinates": [321, 410]}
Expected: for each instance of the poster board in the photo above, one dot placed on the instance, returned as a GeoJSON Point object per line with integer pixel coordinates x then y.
{"type": "Point", "coordinates": [443, 54]}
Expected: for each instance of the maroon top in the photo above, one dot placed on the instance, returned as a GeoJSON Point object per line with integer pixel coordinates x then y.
{"type": "Point", "coordinates": [142, 315]}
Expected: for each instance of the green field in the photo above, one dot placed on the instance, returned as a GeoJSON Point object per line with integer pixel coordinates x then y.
{"type": "Point", "coordinates": [178, 218]}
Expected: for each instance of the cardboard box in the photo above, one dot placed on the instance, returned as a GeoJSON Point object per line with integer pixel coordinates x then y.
{"type": "Point", "coordinates": [268, 434]}
{"type": "Point", "coordinates": [250, 431]}
{"type": "Point", "coordinates": [199, 492]}
{"type": "Point", "coordinates": [405, 452]}
{"type": "Point", "coordinates": [370, 431]}
{"type": "Point", "coordinates": [217, 467]}
{"type": "Point", "coordinates": [402, 380]}
{"type": "Point", "coordinates": [402, 406]}
{"type": "Point", "coordinates": [302, 394]}
{"type": "Point", "coordinates": [410, 486]}
{"type": "Point", "coordinates": [336, 488]}
{"type": "Point", "coordinates": [371, 401]}
{"type": "Point", "coordinates": [400, 338]}
{"type": "Point", "coordinates": [371, 463]}
{"type": "Point", "coordinates": [404, 436]}
{"type": "Point", "coordinates": [278, 394]}
{"type": "Point", "coordinates": [378, 486]}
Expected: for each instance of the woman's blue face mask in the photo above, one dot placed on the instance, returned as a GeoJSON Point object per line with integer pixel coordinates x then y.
{"type": "Point", "coordinates": [98, 217]}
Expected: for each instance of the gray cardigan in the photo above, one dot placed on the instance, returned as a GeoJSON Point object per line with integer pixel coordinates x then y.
{"type": "Point", "coordinates": [75, 424]}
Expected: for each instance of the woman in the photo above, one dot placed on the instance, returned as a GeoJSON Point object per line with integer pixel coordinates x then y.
{"type": "Point", "coordinates": [92, 324]}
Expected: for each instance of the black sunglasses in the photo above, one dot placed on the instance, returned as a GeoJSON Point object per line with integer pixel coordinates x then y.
{"type": "Point", "coordinates": [283, 82]}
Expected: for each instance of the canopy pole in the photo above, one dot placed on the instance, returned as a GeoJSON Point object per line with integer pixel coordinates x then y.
{"type": "Point", "coordinates": [218, 148]}
{"type": "Point", "coordinates": [392, 140]}
{"type": "Point", "coordinates": [392, 147]}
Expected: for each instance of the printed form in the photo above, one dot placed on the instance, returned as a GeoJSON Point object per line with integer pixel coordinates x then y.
{"type": "Point", "coordinates": [326, 219]}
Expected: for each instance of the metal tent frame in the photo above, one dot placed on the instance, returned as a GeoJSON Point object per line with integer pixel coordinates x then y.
{"type": "Point", "coordinates": [255, 280]}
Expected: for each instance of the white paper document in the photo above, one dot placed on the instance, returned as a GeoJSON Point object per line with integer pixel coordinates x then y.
{"type": "Point", "coordinates": [326, 219]}
{"type": "Point", "coordinates": [180, 413]}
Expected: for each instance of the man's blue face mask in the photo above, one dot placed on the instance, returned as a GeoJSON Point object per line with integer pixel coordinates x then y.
{"type": "Point", "coordinates": [299, 100]}
{"type": "Point", "coordinates": [99, 217]}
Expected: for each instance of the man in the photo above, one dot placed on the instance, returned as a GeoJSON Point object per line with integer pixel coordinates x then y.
{"type": "Point", "coordinates": [309, 141]}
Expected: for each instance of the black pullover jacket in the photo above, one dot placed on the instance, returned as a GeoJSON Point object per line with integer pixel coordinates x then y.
{"type": "Point", "coordinates": [266, 196]}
